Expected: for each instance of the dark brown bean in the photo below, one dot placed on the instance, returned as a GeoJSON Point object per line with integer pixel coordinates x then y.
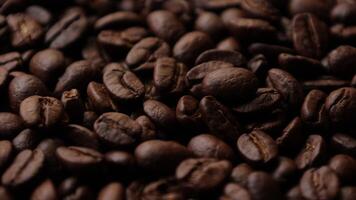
{"type": "Point", "coordinates": [78, 158]}
{"type": "Point", "coordinates": [262, 186]}
{"type": "Point", "coordinates": [45, 191]}
{"type": "Point", "coordinates": [312, 152]}
{"type": "Point", "coordinates": [313, 111]}
{"type": "Point", "coordinates": [233, 57]}
{"type": "Point", "coordinates": [112, 191]}
{"type": "Point", "coordinates": [12, 124]}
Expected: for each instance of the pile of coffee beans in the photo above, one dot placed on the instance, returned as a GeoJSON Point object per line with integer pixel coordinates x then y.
{"type": "Point", "coordinates": [178, 99]}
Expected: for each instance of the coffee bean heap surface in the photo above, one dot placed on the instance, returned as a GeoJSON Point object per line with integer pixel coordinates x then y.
{"type": "Point", "coordinates": [178, 99]}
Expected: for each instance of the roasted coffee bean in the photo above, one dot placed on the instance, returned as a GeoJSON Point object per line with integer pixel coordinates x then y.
{"type": "Point", "coordinates": [120, 41]}
{"type": "Point", "coordinates": [209, 146]}
{"type": "Point", "coordinates": [165, 25]}
{"type": "Point", "coordinates": [300, 66]}
{"type": "Point", "coordinates": [160, 156]}
{"type": "Point", "coordinates": [230, 84]}
{"type": "Point", "coordinates": [321, 183]}
{"type": "Point", "coordinates": [89, 117]}
{"type": "Point", "coordinates": [291, 139]}
{"type": "Point", "coordinates": [145, 53]}
{"type": "Point", "coordinates": [48, 65]}
{"type": "Point", "coordinates": [268, 50]}
{"type": "Point", "coordinates": [25, 168]}
{"type": "Point", "coordinates": [294, 194]}
{"type": "Point", "coordinates": [122, 83]}
{"type": "Point", "coordinates": [80, 136]}
{"type": "Point", "coordinates": [162, 115]}
{"type": "Point", "coordinates": [195, 173]}
{"type": "Point", "coordinates": [235, 191]}
{"type": "Point", "coordinates": [40, 14]}
{"type": "Point", "coordinates": [78, 158]}
{"type": "Point", "coordinates": [24, 86]}
{"type": "Point", "coordinates": [285, 171]}
{"type": "Point", "coordinates": [219, 119]}
{"type": "Point", "coordinates": [188, 114]}
{"type": "Point", "coordinates": [344, 166]}
{"type": "Point", "coordinates": [191, 45]}
{"type": "Point", "coordinates": [260, 9]}
{"type": "Point", "coordinates": [340, 61]}
{"type": "Point", "coordinates": [266, 99]}
{"type": "Point", "coordinates": [48, 148]}
{"type": "Point", "coordinates": [25, 31]}
{"type": "Point", "coordinates": [259, 66]}
{"type": "Point", "coordinates": [251, 29]}
{"type": "Point", "coordinates": [42, 112]}
{"type": "Point", "coordinates": [240, 174]}
{"type": "Point", "coordinates": [112, 191]}
{"type": "Point", "coordinates": [309, 35]}
{"type": "Point", "coordinates": [76, 76]}
{"type": "Point", "coordinates": [325, 84]}
{"type": "Point", "coordinates": [148, 128]}
{"type": "Point", "coordinates": [117, 20]}
{"type": "Point", "coordinates": [341, 106]}
{"type": "Point", "coordinates": [12, 124]}
{"type": "Point", "coordinates": [287, 85]}
{"type": "Point", "coordinates": [262, 186]}
{"type": "Point", "coordinates": [320, 8]}
{"type": "Point", "coordinates": [26, 139]}
{"type": "Point", "coordinates": [313, 111]}
{"type": "Point", "coordinates": [71, 188]}
{"type": "Point", "coordinates": [117, 129]}
{"type": "Point", "coordinates": [344, 13]}
{"type": "Point", "coordinates": [73, 104]}
{"type": "Point", "coordinates": [231, 14]}
{"type": "Point", "coordinates": [6, 152]}
{"type": "Point", "coordinates": [169, 76]}
{"type": "Point", "coordinates": [45, 191]}
{"type": "Point", "coordinates": [257, 147]}
{"type": "Point", "coordinates": [229, 44]}
{"type": "Point", "coordinates": [344, 143]}
{"type": "Point", "coordinates": [11, 61]}
{"type": "Point", "coordinates": [120, 160]}
{"type": "Point", "coordinates": [164, 188]}
{"type": "Point", "coordinates": [312, 152]}
{"type": "Point", "coordinates": [210, 23]}
{"type": "Point", "coordinates": [99, 98]}
{"type": "Point", "coordinates": [68, 29]}
{"type": "Point", "coordinates": [232, 57]}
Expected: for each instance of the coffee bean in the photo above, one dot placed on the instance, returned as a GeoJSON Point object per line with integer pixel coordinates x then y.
{"type": "Point", "coordinates": [25, 168]}
{"type": "Point", "coordinates": [209, 23]}
{"type": "Point", "coordinates": [232, 14]}
{"type": "Point", "coordinates": [11, 61]}
{"type": "Point", "coordinates": [22, 87]}
{"type": "Point", "coordinates": [300, 66]}
{"type": "Point", "coordinates": [48, 148]}
{"type": "Point", "coordinates": [344, 166]}
{"type": "Point", "coordinates": [148, 128]}
{"type": "Point", "coordinates": [26, 139]}
{"type": "Point", "coordinates": [25, 31]}
{"type": "Point", "coordinates": [72, 188]}
{"type": "Point", "coordinates": [165, 25]}
{"type": "Point", "coordinates": [232, 57]}
{"type": "Point", "coordinates": [209, 146]}
{"type": "Point", "coordinates": [321, 183]}
{"type": "Point", "coordinates": [196, 173]}
{"type": "Point", "coordinates": [344, 143]}
{"type": "Point", "coordinates": [312, 152]}
{"type": "Point", "coordinates": [73, 104]}
{"type": "Point", "coordinates": [269, 50]}
{"type": "Point", "coordinates": [40, 14]}
{"type": "Point", "coordinates": [344, 13]}
{"type": "Point", "coordinates": [6, 152]}
{"type": "Point", "coordinates": [42, 112]}
{"type": "Point", "coordinates": [117, 20]}
{"type": "Point", "coordinates": [259, 66]}
{"type": "Point", "coordinates": [188, 114]}
{"type": "Point", "coordinates": [340, 61]}
{"type": "Point", "coordinates": [341, 106]}
{"type": "Point", "coordinates": [120, 160]}
{"type": "Point", "coordinates": [285, 171]}
{"type": "Point", "coordinates": [295, 194]}
{"type": "Point", "coordinates": [68, 29]}
{"type": "Point", "coordinates": [78, 158]}
{"type": "Point", "coordinates": [313, 111]}
{"type": "Point", "coordinates": [112, 191]}
{"type": "Point", "coordinates": [12, 125]}
{"type": "Point", "coordinates": [160, 114]}
{"type": "Point", "coordinates": [257, 147]}
{"type": "Point", "coordinates": [325, 84]}
{"type": "Point", "coordinates": [309, 35]}
{"type": "Point", "coordinates": [48, 65]}
{"type": "Point", "coordinates": [229, 44]}
{"type": "Point", "coordinates": [190, 45]}
{"type": "Point", "coordinates": [169, 76]}
{"type": "Point", "coordinates": [160, 156]}
{"type": "Point", "coordinates": [240, 174]}
{"type": "Point", "coordinates": [219, 119]}
{"type": "Point", "coordinates": [81, 136]}
{"type": "Point", "coordinates": [76, 76]}
{"type": "Point", "coordinates": [287, 85]}
{"type": "Point", "coordinates": [234, 191]}
{"type": "Point", "coordinates": [262, 186]}
{"type": "Point", "coordinates": [164, 188]}
{"type": "Point", "coordinates": [89, 117]}
{"type": "Point", "coordinates": [117, 129]}
{"type": "Point", "coordinates": [320, 8]}
{"type": "Point", "coordinates": [45, 191]}
{"type": "Point", "coordinates": [230, 84]}
{"type": "Point", "coordinates": [99, 98]}
{"type": "Point", "coordinates": [260, 9]}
